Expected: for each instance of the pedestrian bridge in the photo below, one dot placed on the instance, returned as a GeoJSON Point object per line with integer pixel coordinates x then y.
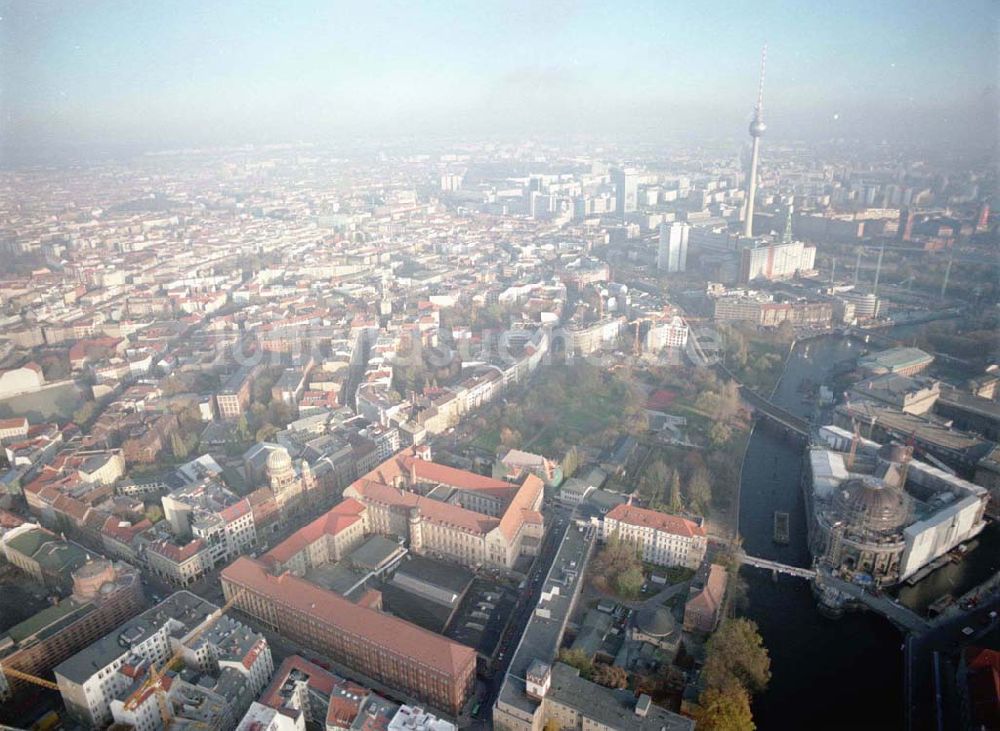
{"type": "Point", "coordinates": [781, 568]}
{"type": "Point", "coordinates": [775, 413]}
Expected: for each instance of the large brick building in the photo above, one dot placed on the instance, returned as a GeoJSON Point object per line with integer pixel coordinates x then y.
{"type": "Point", "coordinates": [470, 518]}
{"type": "Point", "coordinates": [430, 667]}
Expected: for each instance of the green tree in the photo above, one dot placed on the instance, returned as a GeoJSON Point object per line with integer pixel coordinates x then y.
{"type": "Point", "coordinates": [154, 513]}
{"type": "Point", "coordinates": [83, 415]}
{"type": "Point", "coordinates": [242, 428]}
{"type": "Point", "coordinates": [577, 659]}
{"type": "Point", "coordinates": [735, 656]}
{"type": "Point", "coordinates": [724, 710]}
{"type": "Point", "coordinates": [629, 581]}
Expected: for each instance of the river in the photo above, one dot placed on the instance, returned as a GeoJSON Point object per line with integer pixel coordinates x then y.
{"type": "Point", "coordinates": [826, 674]}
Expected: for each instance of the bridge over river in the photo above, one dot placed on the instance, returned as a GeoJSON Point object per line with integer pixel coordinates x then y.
{"type": "Point", "coordinates": [774, 413]}
{"type": "Point", "coordinates": [781, 568]}
{"type": "Point", "coordinates": [837, 592]}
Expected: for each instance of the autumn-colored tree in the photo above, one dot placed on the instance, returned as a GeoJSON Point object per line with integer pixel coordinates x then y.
{"type": "Point", "coordinates": [724, 710]}
{"type": "Point", "coordinates": [266, 432]}
{"type": "Point", "coordinates": [653, 482]}
{"type": "Point", "coordinates": [676, 504]}
{"type": "Point", "coordinates": [610, 676]}
{"type": "Point", "coordinates": [177, 446]}
{"type": "Point", "coordinates": [699, 490]}
{"type": "Point", "coordinates": [510, 438]}
{"type": "Point", "coordinates": [86, 412]}
{"type": "Point", "coordinates": [154, 513]}
{"type": "Point", "coordinates": [571, 462]}
{"type": "Point", "coordinates": [720, 433]}
{"type": "Point", "coordinates": [736, 656]}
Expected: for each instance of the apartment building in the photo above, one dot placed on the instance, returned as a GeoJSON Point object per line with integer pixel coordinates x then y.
{"type": "Point", "coordinates": [13, 429]}
{"type": "Point", "coordinates": [302, 693]}
{"type": "Point", "coordinates": [234, 396]}
{"type": "Point", "coordinates": [209, 511]}
{"type": "Point", "coordinates": [776, 261]}
{"type": "Point", "coordinates": [104, 683]}
{"type": "Point", "coordinates": [668, 333]}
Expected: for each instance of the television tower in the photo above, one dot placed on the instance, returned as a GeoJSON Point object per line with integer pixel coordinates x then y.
{"type": "Point", "coordinates": [757, 128]}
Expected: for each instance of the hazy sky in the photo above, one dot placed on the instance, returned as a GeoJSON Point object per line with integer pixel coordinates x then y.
{"type": "Point", "coordinates": [170, 73]}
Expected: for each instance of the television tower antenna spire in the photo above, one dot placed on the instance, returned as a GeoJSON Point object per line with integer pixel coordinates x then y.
{"type": "Point", "coordinates": [759, 110]}
{"type": "Point", "coordinates": [757, 128]}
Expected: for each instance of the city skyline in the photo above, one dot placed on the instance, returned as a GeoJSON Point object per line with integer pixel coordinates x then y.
{"type": "Point", "coordinates": [504, 367]}
{"type": "Point", "coordinates": [153, 77]}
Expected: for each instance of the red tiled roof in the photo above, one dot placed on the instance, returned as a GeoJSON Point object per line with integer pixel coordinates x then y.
{"type": "Point", "coordinates": [9, 519]}
{"type": "Point", "coordinates": [432, 510]}
{"type": "Point", "coordinates": [125, 533]}
{"type": "Point", "coordinates": [235, 511]}
{"type": "Point", "coordinates": [177, 554]}
{"type": "Point", "coordinates": [379, 486]}
{"type": "Point", "coordinates": [522, 504]}
{"type": "Point", "coordinates": [642, 517]}
{"type": "Point", "coordinates": [320, 680]}
{"type": "Point", "coordinates": [709, 599]}
{"type": "Point", "coordinates": [533, 516]}
{"type": "Point", "coordinates": [461, 479]}
{"type": "Point", "coordinates": [392, 633]}
{"type": "Point", "coordinates": [370, 599]}
{"type": "Point", "coordinates": [343, 515]}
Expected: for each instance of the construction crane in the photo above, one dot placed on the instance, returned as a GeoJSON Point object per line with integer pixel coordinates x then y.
{"type": "Point", "coordinates": [155, 676]}
{"type": "Point", "coordinates": [854, 446]}
{"type": "Point", "coordinates": [28, 678]}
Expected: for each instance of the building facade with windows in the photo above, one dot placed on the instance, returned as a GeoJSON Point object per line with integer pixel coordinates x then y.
{"type": "Point", "coordinates": [430, 667]}
{"type": "Point", "coordinates": [663, 539]}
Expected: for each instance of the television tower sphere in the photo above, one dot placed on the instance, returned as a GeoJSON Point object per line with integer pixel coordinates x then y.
{"type": "Point", "coordinates": [757, 128]}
